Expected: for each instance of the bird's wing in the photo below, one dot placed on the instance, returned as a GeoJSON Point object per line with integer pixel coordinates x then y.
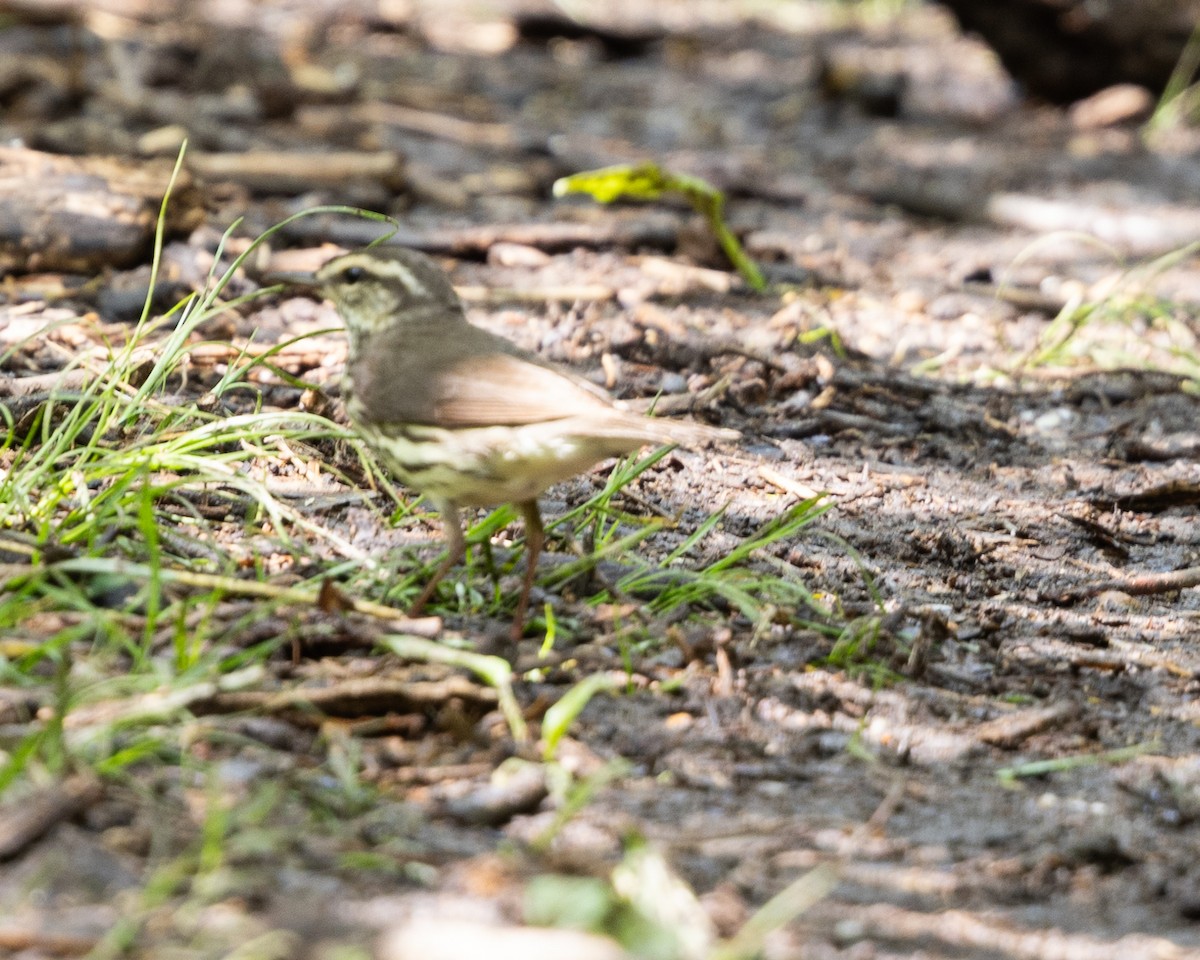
{"type": "Point", "coordinates": [497, 388]}
{"type": "Point", "coordinates": [498, 384]}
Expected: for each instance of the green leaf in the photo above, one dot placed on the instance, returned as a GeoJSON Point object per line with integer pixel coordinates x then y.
{"type": "Point", "coordinates": [559, 717]}
{"type": "Point", "coordinates": [649, 181]}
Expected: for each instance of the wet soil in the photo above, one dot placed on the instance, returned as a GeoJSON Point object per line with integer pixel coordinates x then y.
{"type": "Point", "coordinates": [1014, 543]}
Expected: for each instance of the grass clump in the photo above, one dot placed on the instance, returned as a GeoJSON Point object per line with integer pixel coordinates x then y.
{"type": "Point", "coordinates": [1120, 322]}
{"type": "Point", "coordinates": [111, 561]}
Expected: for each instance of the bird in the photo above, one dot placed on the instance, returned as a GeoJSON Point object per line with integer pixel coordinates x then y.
{"type": "Point", "coordinates": [466, 417]}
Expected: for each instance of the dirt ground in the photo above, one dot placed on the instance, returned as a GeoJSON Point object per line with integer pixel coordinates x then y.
{"type": "Point", "coordinates": [1009, 765]}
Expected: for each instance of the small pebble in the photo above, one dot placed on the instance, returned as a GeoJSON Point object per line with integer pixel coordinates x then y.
{"type": "Point", "coordinates": [673, 383]}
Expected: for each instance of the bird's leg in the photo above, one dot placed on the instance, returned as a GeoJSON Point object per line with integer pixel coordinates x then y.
{"type": "Point", "coordinates": [456, 547]}
{"type": "Point", "coordinates": [535, 537]}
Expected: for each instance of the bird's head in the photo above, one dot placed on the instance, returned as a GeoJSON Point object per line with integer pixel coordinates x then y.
{"type": "Point", "coordinates": [385, 288]}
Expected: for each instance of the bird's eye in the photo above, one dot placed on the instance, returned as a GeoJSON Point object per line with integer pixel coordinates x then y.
{"type": "Point", "coordinates": [353, 274]}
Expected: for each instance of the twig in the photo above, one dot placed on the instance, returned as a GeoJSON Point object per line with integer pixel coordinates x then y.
{"type": "Point", "coordinates": [43, 383]}
{"type": "Point", "coordinates": [1138, 585]}
{"type": "Point", "coordinates": [671, 404]}
{"type": "Point", "coordinates": [650, 230]}
{"type": "Point", "coordinates": [800, 491]}
{"type": "Point", "coordinates": [23, 824]}
{"type": "Point", "coordinates": [442, 126]}
{"type": "Point", "coordinates": [591, 293]}
{"type": "Point", "coordinates": [289, 170]}
{"type": "Point", "coordinates": [965, 933]}
{"type": "Point", "coordinates": [423, 626]}
{"type": "Point", "coordinates": [1012, 729]}
{"type": "Point", "coordinates": [356, 697]}
{"type": "Point", "coordinates": [492, 670]}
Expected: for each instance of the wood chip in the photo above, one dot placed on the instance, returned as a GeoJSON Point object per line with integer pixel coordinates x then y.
{"type": "Point", "coordinates": [1013, 729]}
{"type": "Point", "coordinates": [797, 489]}
{"type": "Point", "coordinates": [25, 823]}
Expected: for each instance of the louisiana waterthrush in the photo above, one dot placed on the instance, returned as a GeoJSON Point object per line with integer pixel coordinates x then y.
{"type": "Point", "coordinates": [464, 416]}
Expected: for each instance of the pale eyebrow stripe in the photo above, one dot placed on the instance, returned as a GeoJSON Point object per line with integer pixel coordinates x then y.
{"type": "Point", "coordinates": [393, 269]}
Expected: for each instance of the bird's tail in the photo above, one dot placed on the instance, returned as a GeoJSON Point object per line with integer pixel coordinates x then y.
{"type": "Point", "coordinates": [651, 430]}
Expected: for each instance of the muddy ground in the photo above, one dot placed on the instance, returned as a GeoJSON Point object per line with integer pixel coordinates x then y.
{"type": "Point", "coordinates": [1014, 526]}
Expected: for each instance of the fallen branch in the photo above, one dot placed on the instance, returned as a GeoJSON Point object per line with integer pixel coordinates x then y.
{"type": "Point", "coordinates": [1138, 585]}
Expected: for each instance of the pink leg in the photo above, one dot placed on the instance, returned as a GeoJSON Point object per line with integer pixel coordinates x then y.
{"type": "Point", "coordinates": [535, 537]}
{"type": "Point", "coordinates": [456, 546]}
